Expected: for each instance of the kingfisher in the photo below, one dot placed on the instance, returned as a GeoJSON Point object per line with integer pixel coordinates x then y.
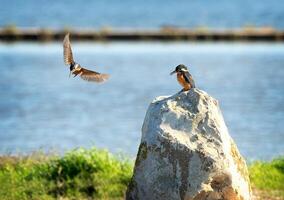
{"type": "Point", "coordinates": [76, 69]}
{"type": "Point", "coordinates": [184, 77]}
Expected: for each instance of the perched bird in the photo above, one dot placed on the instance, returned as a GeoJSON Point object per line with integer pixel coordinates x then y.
{"type": "Point", "coordinates": [184, 77]}
{"type": "Point", "coordinates": [76, 68]}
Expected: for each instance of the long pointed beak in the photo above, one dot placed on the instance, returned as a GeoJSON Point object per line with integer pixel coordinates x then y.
{"type": "Point", "coordinates": [70, 74]}
{"type": "Point", "coordinates": [173, 72]}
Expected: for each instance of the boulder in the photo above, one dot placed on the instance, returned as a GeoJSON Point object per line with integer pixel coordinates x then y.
{"type": "Point", "coordinates": [187, 153]}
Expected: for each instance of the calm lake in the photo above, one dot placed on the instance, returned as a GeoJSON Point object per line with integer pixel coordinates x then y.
{"type": "Point", "coordinates": [41, 108]}
{"type": "Point", "coordinates": [142, 14]}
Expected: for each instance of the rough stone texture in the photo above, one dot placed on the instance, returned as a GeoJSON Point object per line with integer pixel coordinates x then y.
{"type": "Point", "coordinates": [187, 153]}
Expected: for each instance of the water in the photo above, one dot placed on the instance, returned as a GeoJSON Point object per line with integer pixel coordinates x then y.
{"type": "Point", "coordinates": [40, 107]}
{"type": "Point", "coordinates": [146, 13]}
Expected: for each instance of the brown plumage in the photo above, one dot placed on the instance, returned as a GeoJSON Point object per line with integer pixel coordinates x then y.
{"type": "Point", "coordinates": [67, 51]}
{"type": "Point", "coordinates": [184, 77]}
{"type": "Point", "coordinates": [89, 75]}
{"type": "Point", "coordinates": [76, 69]}
{"type": "Point", "coordinates": [182, 81]}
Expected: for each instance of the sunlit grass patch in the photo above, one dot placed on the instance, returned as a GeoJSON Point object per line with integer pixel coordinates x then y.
{"type": "Point", "coordinates": [79, 174]}
{"type": "Point", "coordinates": [97, 174]}
{"type": "Point", "coordinates": [268, 176]}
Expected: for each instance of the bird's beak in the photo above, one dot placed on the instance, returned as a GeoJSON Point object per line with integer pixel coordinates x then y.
{"type": "Point", "coordinates": [172, 72]}
{"type": "Point", "coordinates": [70, 74]}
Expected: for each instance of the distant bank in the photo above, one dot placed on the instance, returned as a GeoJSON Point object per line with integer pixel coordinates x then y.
{"type": "Point", "coordinates": [164, 34]}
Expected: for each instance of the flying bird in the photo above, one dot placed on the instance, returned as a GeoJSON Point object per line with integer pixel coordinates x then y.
{"type": "Point", "coordinates": [76, 69]}
{"type": "Point", "coordinates": [184, 77]}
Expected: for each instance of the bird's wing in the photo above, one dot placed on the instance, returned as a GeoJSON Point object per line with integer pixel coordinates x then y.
{"type": "Point", "coordinates": [188, 78]}
{"type": "Point", "coordinates": [89, 75]}
{"type": "Point", "coordinates": [67, 51]}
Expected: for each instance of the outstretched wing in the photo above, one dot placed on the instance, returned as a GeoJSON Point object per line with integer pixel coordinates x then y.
{"type": "Point", "coordinates": [188, 78]}
{"type": "Point", "coordinates": [89, 75]}
{"type": "Point", "coordinates": [67, 51]}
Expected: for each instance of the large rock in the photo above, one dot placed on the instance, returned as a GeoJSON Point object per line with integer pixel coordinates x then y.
{"type": "Point", "coordinates": [186, 152]}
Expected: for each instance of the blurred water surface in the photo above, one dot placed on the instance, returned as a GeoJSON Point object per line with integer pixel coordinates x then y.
{"type": "Point", "coordinates": [40, 107]}
{"type": "Point", "coordinates": [141, 14]}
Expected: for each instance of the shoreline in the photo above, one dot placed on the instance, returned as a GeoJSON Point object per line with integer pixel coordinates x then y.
{"type": "Point", "coordinates": [11, 34]}
{"type": "Point", "coordinates": [93, 173]}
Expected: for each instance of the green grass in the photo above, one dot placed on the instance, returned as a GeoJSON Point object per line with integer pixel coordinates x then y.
{"type": "Point", "coordinates": [268, 176]}
{"type": "Point", "coordinates": [96, 174]}
{"type": "Point", "coordinates": [79, 174]}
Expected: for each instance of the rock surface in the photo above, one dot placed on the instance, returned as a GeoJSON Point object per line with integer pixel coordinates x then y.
{"type": "Point", "coordinates": [187, 153]}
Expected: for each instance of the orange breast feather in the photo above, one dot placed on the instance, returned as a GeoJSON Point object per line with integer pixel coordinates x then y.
{"type": "Point", "coordinates": [183, 82]}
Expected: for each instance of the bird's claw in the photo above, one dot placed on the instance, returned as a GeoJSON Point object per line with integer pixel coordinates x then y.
{"type": "Point", "coordinates": [181, 91]}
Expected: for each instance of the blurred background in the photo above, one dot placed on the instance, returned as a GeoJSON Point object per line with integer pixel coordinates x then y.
{"type": "Point", "coordinates": [41, 108]}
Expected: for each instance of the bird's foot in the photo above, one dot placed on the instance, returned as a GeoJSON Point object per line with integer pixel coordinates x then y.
{"type": "Point", "coordinates": [181, 91]}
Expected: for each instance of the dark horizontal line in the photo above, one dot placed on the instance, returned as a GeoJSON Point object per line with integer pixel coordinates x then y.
{"type": "Point", "coordinates": [166, 34]}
